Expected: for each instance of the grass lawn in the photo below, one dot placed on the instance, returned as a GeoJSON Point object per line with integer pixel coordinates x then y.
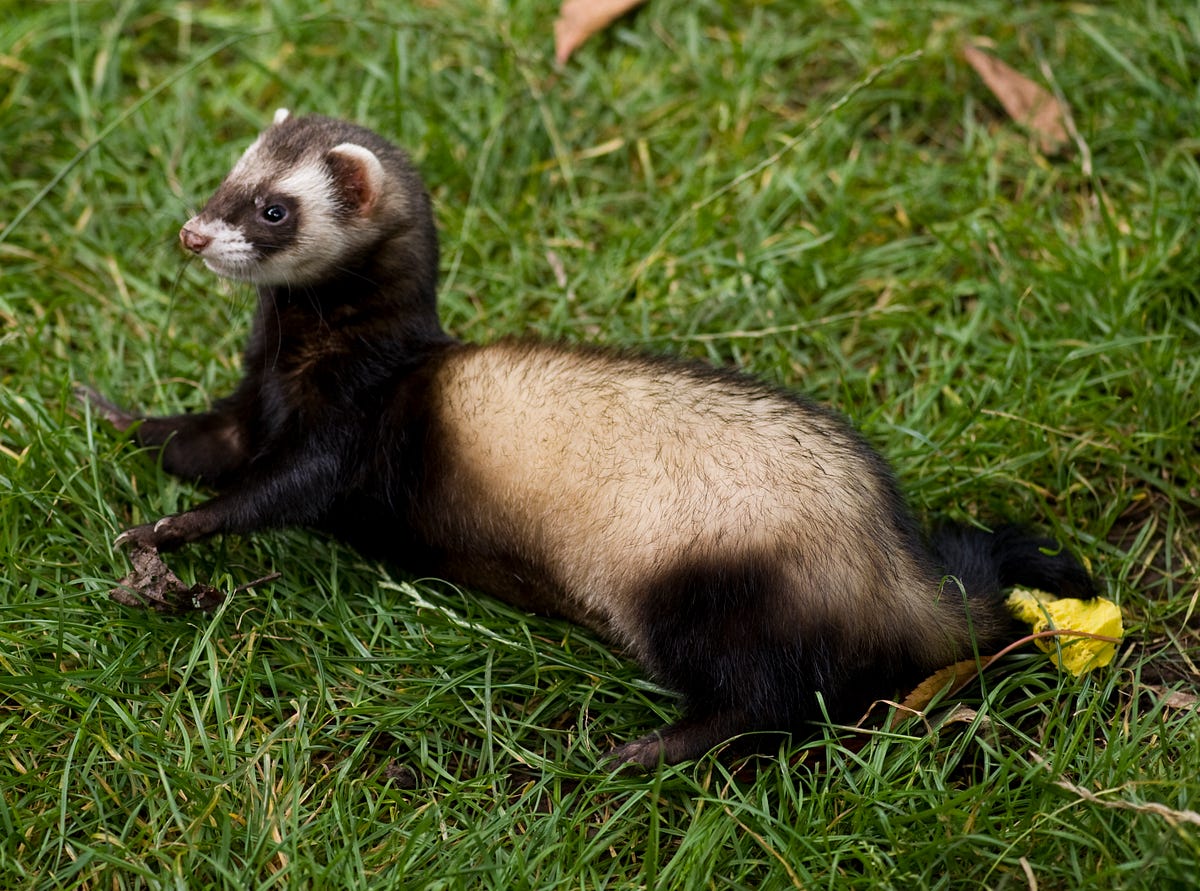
{"type": "Point", "coordinates": [822, 193]}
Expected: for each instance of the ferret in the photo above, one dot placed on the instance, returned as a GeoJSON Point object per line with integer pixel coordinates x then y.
{"type": "Point", "coordinates": [743, 543]}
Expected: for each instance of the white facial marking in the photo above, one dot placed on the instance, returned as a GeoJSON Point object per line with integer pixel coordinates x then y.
{"type": "Point", "coordinates": [320, 241]}
{"type": "Point", "coordinates": [228, 253]}
{"type": "Point", "coordinates": [281, 115]}
{"type": "Point", "coordinates": [309, 184]}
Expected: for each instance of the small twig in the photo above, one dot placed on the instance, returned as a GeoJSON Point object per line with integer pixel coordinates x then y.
{"type": "Point", "coordinates": [1173, 816]}
{"type": "Point", "coordinates": [270, 577]}
{"type": "Point", "coordinates": [1052, 632]}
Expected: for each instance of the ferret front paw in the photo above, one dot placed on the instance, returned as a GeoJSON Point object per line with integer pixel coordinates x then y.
{"type": "Point", "coordinates": [165, 535]}
{"type": "Point", "coordinates": [645, 753]}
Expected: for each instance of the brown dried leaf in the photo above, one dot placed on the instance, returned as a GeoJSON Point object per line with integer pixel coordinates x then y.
{"type": "Point", "coordinates": [961, 714]}
{"type": "Point", "coordinates": [580, 19]}
{"type": "Point", "coordinates": [152, 584]}
{"type": "Point", "coordinates": [950, 679]}
{"type": "Point", "coordinates": [1174, 698]}
{"type": "Point", "coordinates": [1026, 102]}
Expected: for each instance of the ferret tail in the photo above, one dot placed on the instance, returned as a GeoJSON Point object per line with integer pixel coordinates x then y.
{"type": "Point", "coordinates": [989, 562]}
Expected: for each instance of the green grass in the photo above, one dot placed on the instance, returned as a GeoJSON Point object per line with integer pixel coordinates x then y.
{"type": "Point", "coordinates": [1020, 336]}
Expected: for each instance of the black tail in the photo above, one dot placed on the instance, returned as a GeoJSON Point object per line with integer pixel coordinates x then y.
{"type": "Point", "coordinates": [988, 562]}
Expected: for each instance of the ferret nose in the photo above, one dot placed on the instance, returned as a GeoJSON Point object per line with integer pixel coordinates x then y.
{"type": "Point", "coordinates": [193, 240]}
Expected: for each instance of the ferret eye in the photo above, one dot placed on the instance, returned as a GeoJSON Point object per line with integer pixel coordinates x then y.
{"type": "Point", "coordinates": [274, 213]}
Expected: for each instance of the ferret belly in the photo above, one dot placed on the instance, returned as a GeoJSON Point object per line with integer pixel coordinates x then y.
{"type": "Point", "coordinates": [605, 474]}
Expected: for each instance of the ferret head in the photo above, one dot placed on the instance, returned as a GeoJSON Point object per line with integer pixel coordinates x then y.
{"type": "Point", "coordinates": [310, 196]}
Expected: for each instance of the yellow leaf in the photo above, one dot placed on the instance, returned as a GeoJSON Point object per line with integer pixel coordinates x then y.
{"type": "Point", "coordinates": [1097, 616]}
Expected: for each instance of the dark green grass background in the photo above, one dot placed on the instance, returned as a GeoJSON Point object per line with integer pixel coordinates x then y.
{"type": "Point", "coordinates": [1019, 334]}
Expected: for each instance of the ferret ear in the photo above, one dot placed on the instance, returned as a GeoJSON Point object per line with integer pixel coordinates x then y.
{"type": "Point", "coordinates": [281, 115]}
{"type": "Point", "coordinates": [357, 175]}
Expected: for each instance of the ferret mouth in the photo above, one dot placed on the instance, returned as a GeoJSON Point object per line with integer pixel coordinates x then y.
{"type": "Point", "coordinates": [237, 268]}
{"type": "Point", "coordinates": [224, 248]}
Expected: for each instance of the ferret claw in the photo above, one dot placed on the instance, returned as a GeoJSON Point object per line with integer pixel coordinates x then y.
{"type": "Point", "coordinates": [109, 411]}
{"type": "Point", "coordinates": [148, 535]}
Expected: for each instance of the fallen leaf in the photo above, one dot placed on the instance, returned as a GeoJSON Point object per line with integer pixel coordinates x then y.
{"type": "Point", "coordinates": [152, 584]}
{"type": "Point", "coordinates": [580, 19]}
{"type": "Point", "coordinates": [1088, 630]}
{"type": "Point", "coordinates": [950, 679]}
{"type": "Point", "coordinates": [1173, 698]}
{"type": "Point", "coordinates": [1027, 103]}
{"type": "Point", "coordinates": [961, 714]}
